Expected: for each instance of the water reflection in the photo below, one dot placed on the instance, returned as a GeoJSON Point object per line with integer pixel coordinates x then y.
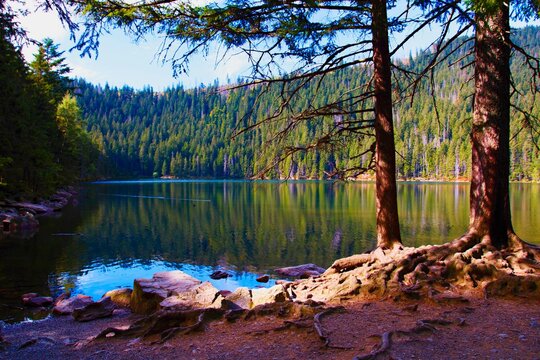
{"type": "Point", "coordinates": [133, 229]}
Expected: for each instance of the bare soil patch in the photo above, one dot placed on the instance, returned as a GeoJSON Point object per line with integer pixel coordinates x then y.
{"type": "Point", "coordinates": [425, 329]}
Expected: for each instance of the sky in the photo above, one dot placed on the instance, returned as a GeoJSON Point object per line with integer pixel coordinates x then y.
{"type": "Point", "coordinates": [122, 61]}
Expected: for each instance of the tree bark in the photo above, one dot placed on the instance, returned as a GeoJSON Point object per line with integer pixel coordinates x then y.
{"type": "Point", "coordinates": [489, 197]}
{"type": "Point", "coordinates": [388, 234]}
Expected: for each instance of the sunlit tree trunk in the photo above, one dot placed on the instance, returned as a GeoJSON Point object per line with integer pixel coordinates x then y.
{"type": "Point", "coordinates": [489, 199]}
{"type": "Point", "coordinates": [388, 234]}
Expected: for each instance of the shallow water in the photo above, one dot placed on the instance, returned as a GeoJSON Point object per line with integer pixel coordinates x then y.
{"type": "Point", "coordinates": [119, 231]}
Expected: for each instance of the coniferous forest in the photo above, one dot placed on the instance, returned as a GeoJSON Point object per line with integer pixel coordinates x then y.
{"type": "Point", "coordinates": [189, 132]}
{"type": "Point", "coordinates": [44, 141]}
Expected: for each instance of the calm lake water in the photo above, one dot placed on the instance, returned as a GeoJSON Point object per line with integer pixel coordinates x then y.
{"type": "Point", "coordinates": [132, 229]}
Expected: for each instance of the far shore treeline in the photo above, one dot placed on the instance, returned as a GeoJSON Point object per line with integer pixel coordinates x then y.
{"type": "Point", "coordinates": [56, 131]}
{"type": "Point", "coordinates": [187, 132]}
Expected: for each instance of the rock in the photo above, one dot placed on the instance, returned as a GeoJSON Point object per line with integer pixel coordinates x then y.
{"type": "Point", "coordinates": [67, 306]}
{"type": "Point", "coordinates": [95, 310]}
{"type": "Point", "coordinates": [33, 300]}
{"type": "Point", "coordinates": [263, 278]}
{"type": "Point", "coordinates": [275, 294]}
{"type": "Point", "coordinates": [120, 297]}
{"type": "Point", "coordinates": [241, 297]}
{"type": "Point", "coordinates": [202, 296]}
{"type": "Point", "coordinates": [28, 296]}
{"type": "Point", "coordinates": [301, 271]}
{"type": "Point", "coordinates": [149, 293]}
{"type": "Point", "coordinates": [219, 274]}
{"type": "Point", "coordinates": [62, 296]}
{"type": "Point", "coordinates": [282, 282]}
{"type": "Point", "coordinates": [225, 293]}
{"type": "Point", "coordinates": [31, 207]}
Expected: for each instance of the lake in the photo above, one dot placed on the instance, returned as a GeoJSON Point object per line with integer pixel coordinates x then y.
{"type": "Point", "coordinates": [118, 231]}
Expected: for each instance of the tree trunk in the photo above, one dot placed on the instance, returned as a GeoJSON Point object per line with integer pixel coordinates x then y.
{"type": "Point", "coordinates": [388, 234]}
{"type": "Point", "coordinates": [489, 198]}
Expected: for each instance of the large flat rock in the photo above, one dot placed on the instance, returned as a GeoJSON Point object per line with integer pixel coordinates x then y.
{"type": "Point", "coordinates": [149, 293]}
{"type": "Point", "coordinates": [201, 296]}
{"type": "Point", "coordinates": [67, 306]}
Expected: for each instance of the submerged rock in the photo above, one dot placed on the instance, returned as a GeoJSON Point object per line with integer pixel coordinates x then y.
{"type": "Point", "coordinates": [263, 279]}
{"type": "Point", "coordinates": [149, 293]}
{"type": "Point", "coordinates": [95, 310]}
{"type": "Point", "coordinates": [301, 271]}
{"type": "Point", "coordinates": [219, 274]}
{"type": "Point", "coordinates": [67, 306]}
{"type": "Point", "coordinates": [120, 297]}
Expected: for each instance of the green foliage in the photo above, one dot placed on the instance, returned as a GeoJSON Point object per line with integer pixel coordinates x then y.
{"type": "Point", "coordinates": [42, 144]}
{"type": "Point", "coordinates": [188, 133]}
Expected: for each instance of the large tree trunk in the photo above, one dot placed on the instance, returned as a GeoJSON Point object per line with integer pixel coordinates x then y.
{"type": "Point", "coordinates": [388, 234]}
{"type": "Point", "coordinates": [489, 200]}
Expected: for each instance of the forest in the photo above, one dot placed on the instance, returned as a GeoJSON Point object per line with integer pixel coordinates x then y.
{"type": "Point", "coordinates": [44, 142]}
{"type": "Point", "coordinates": [56, 130]}
{"type": "Point", "coordinates": [191, 132]}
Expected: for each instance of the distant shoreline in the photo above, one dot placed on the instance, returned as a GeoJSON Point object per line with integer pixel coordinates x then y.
{"type": "Point", "coordinates": [367, 179]}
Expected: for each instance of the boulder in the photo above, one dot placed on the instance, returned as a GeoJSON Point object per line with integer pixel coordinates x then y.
{"type": "Point", "coordinates": [67, 306]}
{"type": "Point", "coordinates": [275, 294]}
{"type": "Point", "coordinates": [202, 296]}
{"type": "Point", "coordinates": [149, 293]}
{"type": "Point", "coordinates": [62, 296]}
{"type": "Point", "coordinates": [241, 297]}
{"type": "Point", "coordinates": [95, 310]}
{"type": "Point", "coordinates": [32, 208]}
{"type": "Point", "coordinates": [219, 274]}
{"type": "Point", "coordinates": [263, 278]}
{"type": "Point", "coordinates": [301, 271]}
{"type": "Point", "coordinates": [34, 300]}
{"type": "Point", "coordinates": [120, 297]}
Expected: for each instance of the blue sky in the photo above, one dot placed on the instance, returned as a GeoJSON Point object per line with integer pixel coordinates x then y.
{"type": "Point", "coordinates": [121, 61]}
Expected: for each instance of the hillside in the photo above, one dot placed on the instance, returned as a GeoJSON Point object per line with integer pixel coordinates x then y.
{"type": "Point", "coordinates": [188, 132]}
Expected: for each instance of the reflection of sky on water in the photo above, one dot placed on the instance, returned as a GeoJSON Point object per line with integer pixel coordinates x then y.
{"type": "Point", "coordinates": [97, 280]}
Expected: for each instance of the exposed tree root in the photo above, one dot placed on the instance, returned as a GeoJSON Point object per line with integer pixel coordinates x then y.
{"type": "Point", "coordinates": [466, 266]}
{"type": "Point", "coordinates": [382, 349]}
{"type": "Point", "coordinates": [41, 339]}
{"type": "Point", "coordinates": [168, 323]}
{"type": "Point", "coordinates": [319, 328]}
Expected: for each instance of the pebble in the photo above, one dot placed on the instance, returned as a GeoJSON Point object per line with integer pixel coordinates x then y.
{"type": "Point", "coordinates": [503, 336]}
{"type": "Point", "coordinates": [522, 337]}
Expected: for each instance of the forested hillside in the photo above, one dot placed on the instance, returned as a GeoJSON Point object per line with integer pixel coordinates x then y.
{"type": "Point", "coordinates": [188, 132]}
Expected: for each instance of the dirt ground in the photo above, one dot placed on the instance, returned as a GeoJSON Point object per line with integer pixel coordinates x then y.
{"type": "Point", "coordinates": [477, 329]}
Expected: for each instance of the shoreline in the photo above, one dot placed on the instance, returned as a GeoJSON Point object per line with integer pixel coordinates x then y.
{"type": "Point", "coordinates": [21, 216]}
{"type": "Point", "coordinates": [367, 179]}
